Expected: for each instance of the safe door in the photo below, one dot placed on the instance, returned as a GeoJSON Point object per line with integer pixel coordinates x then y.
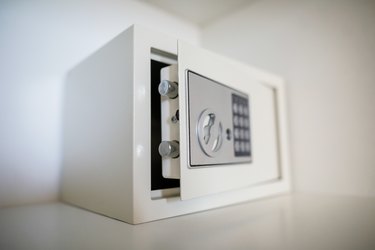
{"type": "Point", "coordinates": [220, 130]}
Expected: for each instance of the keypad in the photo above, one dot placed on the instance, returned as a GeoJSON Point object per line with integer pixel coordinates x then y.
{"type": "Point", "coordinates": [241, 126]}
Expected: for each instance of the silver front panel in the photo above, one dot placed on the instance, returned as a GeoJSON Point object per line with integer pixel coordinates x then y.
{"type": "Point", "coordinates": [219, 123]}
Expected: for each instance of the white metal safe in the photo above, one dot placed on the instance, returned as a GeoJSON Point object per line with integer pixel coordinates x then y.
{"type": "Point", "coordinates": [154, 128]}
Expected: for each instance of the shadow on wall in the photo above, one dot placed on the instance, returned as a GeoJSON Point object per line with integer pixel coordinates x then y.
{"type": "Point", "coordinates": [40, 41]}
{"type": "Point", "coordinates": [325, 50]}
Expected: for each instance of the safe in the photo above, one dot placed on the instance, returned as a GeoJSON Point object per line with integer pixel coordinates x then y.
{"type": "Point", "coordinates": [154, 128]}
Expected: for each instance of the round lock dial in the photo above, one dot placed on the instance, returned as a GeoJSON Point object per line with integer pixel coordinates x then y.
{"type": "Point", "coordinates": [210, 132]}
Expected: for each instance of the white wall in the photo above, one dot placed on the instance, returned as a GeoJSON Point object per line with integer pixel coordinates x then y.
{"type": "Point", "coordinates": [39, 42]}
{"type": "Point", "coordinates": [326, 52]}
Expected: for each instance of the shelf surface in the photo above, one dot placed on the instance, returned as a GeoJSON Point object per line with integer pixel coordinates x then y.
{"type": "Point", "coordinates": [286, 222]}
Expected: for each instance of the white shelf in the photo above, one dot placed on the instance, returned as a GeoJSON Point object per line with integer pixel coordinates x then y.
{"type": "Point", "coordinates": [287, 222]}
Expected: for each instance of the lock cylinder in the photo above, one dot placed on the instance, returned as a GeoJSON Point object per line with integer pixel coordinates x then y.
{"type": "Point", "coordinates": [168, 88]}
{"type": "Point", "coordinates": [169, 149]}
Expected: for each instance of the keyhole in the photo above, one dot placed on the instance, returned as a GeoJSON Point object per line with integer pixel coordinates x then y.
{"type": "Point", "coordinates": [207, 125]}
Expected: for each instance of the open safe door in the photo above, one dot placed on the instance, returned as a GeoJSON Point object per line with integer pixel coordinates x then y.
{"type": "Point", "coordinates": [228, 116]}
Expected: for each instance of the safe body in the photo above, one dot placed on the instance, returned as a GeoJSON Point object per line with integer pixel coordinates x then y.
{"type": "Point", "coordinates": [115, 119]}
